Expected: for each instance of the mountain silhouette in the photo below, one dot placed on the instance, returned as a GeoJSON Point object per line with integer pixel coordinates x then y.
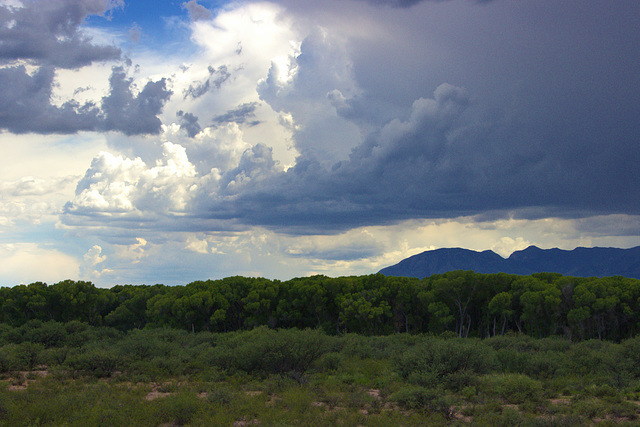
{"type": "Point", "coordinates": [580, 262]}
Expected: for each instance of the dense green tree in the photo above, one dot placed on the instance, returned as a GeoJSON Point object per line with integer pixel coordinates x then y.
{"type": "Point", "coordinates": [131, 309]}
{"type": "Point", "coordinates": [463, 302]}
{"type": "Point", "coordinates": [79, 300]}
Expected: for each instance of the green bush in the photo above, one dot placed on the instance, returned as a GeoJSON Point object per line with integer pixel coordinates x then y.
{"type": "Point", "coordinates": [421, 398]}
{"type": "Point", "coordinates": [97, 360]}
{"type": "Point", "coordinates": [512, 360]}
{"type": "Point", "coordinates": [514, 341]}
{"type": "Point", "coordinates": [49, 334]}
{"type": "Point", "coordinates": [378, 347]}
{"type": "Point", "coordinates": [28, 355]}
{"type": "Point", "coordinates": [546, 364]}
{"type": "Point", "coordinates": [287, 351]}
{"type": "Point", "coordinates": [630, 353]}
{"type": "Point", "coordinates": [453, 361]}
{"type": "Point", "coordinates": [591, 408]}
{"type": "Point", "coordinates": [329, 362]}
{"type": "Point", "coordinates": [6, 405]}
{"type": "Point", "coordinates": [220, 396]}
{"type": "Point", "coordinates": [513, 388]}
{"type": "Point", "coordinates": [178, 409]}
{"type": "Point", "coordinates": [54, 356]}
{"type": "Point", "coordinates": [8, 360]}
{"type": "Point", "coordinates": [5, 331]}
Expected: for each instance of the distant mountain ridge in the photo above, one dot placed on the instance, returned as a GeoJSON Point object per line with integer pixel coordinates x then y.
{"type": "Point", "coordinates": [580, 262]}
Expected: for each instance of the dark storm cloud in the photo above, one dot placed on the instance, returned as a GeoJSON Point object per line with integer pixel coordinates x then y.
{"type": "Point", "coordinates": [47, 32]}
{"type": "Point", "coordinates": [131, 114]}
{"type": "Point", "coordinates": [215, 80]}
{"type": "Point", "coordinates": [514, 109]}
{"type": "Point", "coordinates": [400, 172]}
{"type": "Point", "coordinates": [241, 115]}
{"type": "Point", "coordinates": [25, 105]}
{"type": "Point", "coordinates": [439, 163]}
{"type": "Point", "coordinates": [547, 123]}
{"type": "Point", "coordinates": [189, 123]}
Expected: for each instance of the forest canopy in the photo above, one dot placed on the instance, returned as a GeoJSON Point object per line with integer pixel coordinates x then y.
{"type": "Point", "coordinates": [461, 302]}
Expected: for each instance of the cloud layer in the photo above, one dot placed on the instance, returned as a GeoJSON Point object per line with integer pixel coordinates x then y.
{"type": "Point", "coordinates": [453, 152]}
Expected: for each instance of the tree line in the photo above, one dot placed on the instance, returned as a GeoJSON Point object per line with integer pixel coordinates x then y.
{"type": "Point", "coordinates": [460, 302]}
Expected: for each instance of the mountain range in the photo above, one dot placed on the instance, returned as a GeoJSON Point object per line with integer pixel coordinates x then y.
{"type": "Point", "coordinates": [579, 262]}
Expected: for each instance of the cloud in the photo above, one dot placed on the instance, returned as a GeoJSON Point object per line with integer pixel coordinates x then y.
{"type": "Point", "coordinates": [348, 246]}
{"type": "Point", "coordinates": [92, 259]}
{"type": "Point", "coordinates": [385, 178]}
{"type": "Point", "coordinates": [30, 186]}
{"type": "Point", "coordinates": [41, 37]}
{"type": "Point", "coordinates": [298, 85]}
{"type": "Point", "coordinates": [256, 165]}
{"type": "Point", "coordinates": [197, 12]}
{"type": "Point", "coordinates": [189, 123]}
{"type": "Point", "coordinates": [134, 252]}
{"type": "Point", "coordinates": [506, 246]}
{"type": "Point", "coordinates": [215, 80]}
{"type": "Point", "coordinates": [218, 148]}
{"type": "Point", "coordinates": [196, 245]}
{"type": "Point", "coordinates": [26, 104]}
{"type": "Point", "coordinates": [241, 115]}
{"type": "Point", "coordinates": [119, 186]}
{"type": "Point", "coordinates": [48, 33]}
{"type": "Point", "coordinates": [395, 3]}
{"type": "Point", "coordinates": [135, 32]}
{"type": "Point", "coordinates": [94, 256]}
{"type": "Point", "coordinates": [134, 114]}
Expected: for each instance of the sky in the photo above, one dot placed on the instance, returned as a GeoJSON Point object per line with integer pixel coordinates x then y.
{"type": "Point", "coordinates": [149, 142]}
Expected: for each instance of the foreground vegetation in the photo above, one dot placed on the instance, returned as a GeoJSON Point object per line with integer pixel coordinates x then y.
{"type": "Point", "coordinates": [463, 302]}
{"type": "Point", "coordinates": [72, 373]}
{"type": "Point", "coordinates": [457, 348]}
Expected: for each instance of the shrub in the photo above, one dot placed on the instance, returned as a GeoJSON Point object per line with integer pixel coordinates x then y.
{"type": "Point", "coordinates": [50, 334]}
{"type": "Point", "coordinates": [513, 388]}
{"type": "Point", "coordinates": [54, 356]}
{"type": "Point", "coordinates": [288, 351]}
{"type": "Point", "coordinates": [452, 361]}
{"type": "Point", "coordinates": [5, 331]}
{"type": "Point", "coordinates": [7, 358]}
{"type": "Point", "coordinates": [421, 398]}
{"type": "Point", "coordinates": [95, 360]}
{"type": "Point", "coordinates": [5, 406]}
{"type": "Point", "coordinates": [511, 360]}
{"type": "Point", "coordinates": [220, 395]}
{"type": "Point", "coordinates": [630, 352]}
{"type": "Point", "coordinates": [178, 409]}
{"type": "Point", "coordinates": [546, 364]}
{"type": "Point", "coordinates": [328, 362]}
{"type": "Point", "coordinates": [514, 341]}
{"type": "Point", "coordinates": [28, 355]}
